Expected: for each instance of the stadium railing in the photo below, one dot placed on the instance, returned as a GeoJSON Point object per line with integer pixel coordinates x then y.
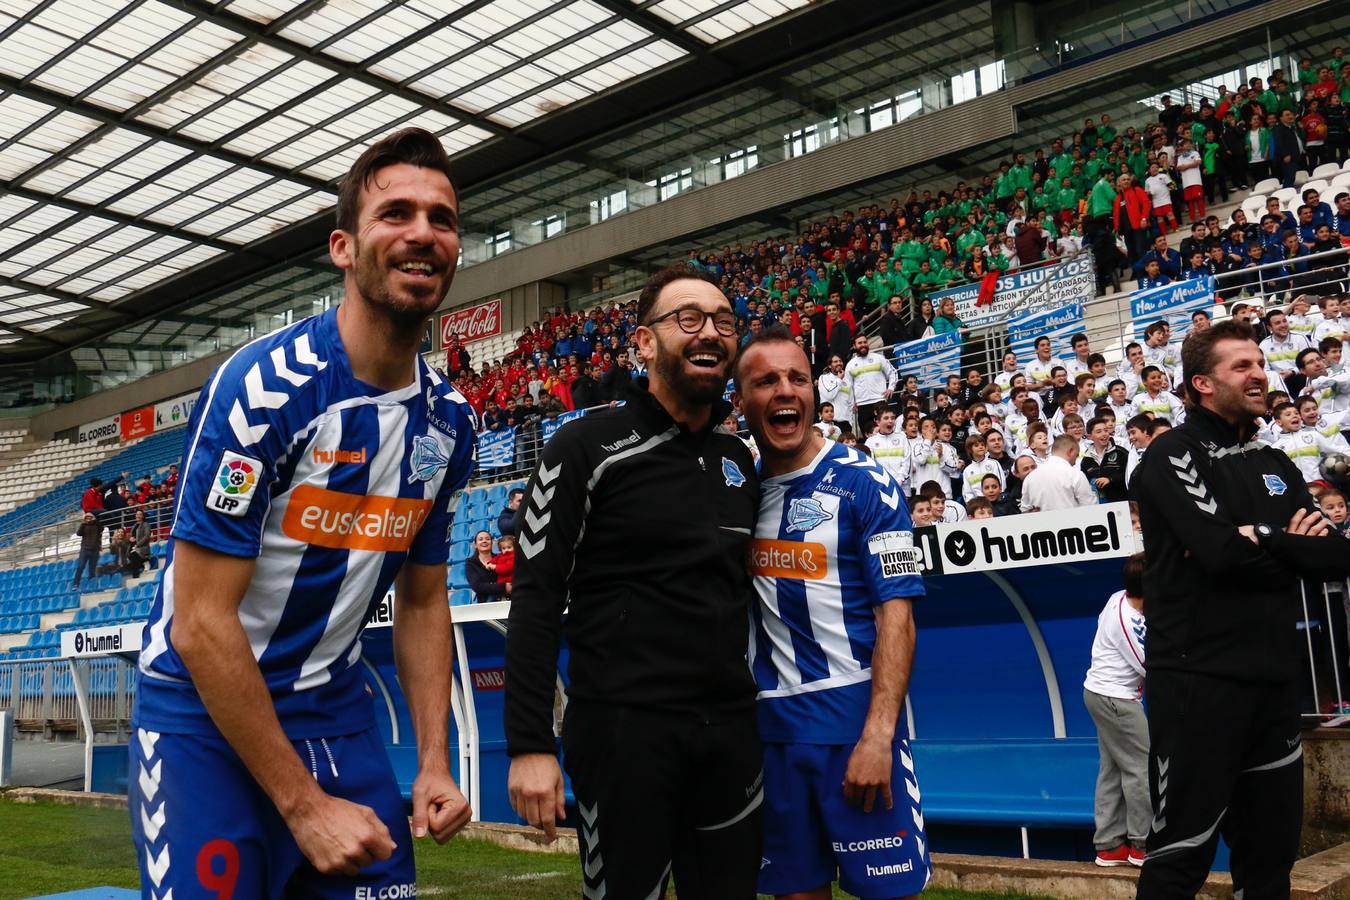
{"type": "Point", "coordinates": [56, 540]}
{"type": "Point", "coordinates": [1110, 326]}
{"type": "Point", "coordinates": [1323, 624]}
{"type": "Point", "coordinates": [1326, 270]}
{"type": "Point", "coordinates": [870, 324]}
{"type": "Point", "coordinates": [528, 443]}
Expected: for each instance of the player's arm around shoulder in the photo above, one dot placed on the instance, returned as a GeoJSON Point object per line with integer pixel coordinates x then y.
{"type": "Point", "coordinates": [334, 834]}
{"type": "Point", "coordinates": [423, 653]}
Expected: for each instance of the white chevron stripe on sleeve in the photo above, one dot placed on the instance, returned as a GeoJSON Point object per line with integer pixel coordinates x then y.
{"type": "Point", "coordinates": [245, 432]}
{"type": "Point", "coordinates": [260, 397]}
{"type": "Point", "coordinates": [305, 356]}
{"type": "Point", "coordinates": [295, 379]}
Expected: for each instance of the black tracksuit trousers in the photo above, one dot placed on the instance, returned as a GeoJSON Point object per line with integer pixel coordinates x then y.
{"type": "Point", "coordinates": [1225, 758]}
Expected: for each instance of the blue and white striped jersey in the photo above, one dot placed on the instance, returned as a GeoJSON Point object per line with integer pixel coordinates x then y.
{"type": "Point", "coordinates": [833, 540]}
{"type": "Point", "coordinates": [331, 484]}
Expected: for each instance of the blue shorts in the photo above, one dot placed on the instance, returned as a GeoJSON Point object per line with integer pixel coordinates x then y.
{"type": "Point", "coordinates": [204, 828]}
{"type": "Point", "coordinates": [812, 836]}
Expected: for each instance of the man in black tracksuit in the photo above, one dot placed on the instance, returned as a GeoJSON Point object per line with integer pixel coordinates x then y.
{"type": "Point", "coordinates": [638, 520]}
{"type": "Point", "coordinates": [1230, 529]}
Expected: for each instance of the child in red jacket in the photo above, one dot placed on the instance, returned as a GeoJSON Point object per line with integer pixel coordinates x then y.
{"type": "Point", "coordinates": [505, 560]}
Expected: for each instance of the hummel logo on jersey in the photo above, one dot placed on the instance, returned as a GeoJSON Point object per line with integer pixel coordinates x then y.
{"type": "Point", "coordinates": [232, 490]}
{"type": "Point", "coordinates": [427, 458]}
{"type": "Point", "coordinates": [622, 442]}
{"type": "Point", "coordinates": [805, 513]}
{"type": "Point", "coordinates": [337, 457]}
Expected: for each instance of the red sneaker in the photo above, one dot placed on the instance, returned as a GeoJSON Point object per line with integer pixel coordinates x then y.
{"type": "Point", "coordinates": [1136, 856]}
{"type": "Point", "coordinates": [1117, 857]}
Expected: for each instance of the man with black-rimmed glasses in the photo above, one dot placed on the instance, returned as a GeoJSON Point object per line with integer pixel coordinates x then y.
{"type": "Point", "coordinates": [638, 520]}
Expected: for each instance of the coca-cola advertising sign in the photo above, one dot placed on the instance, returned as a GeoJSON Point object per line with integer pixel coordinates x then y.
{"type": "Point", "coordinates": [472, 323]}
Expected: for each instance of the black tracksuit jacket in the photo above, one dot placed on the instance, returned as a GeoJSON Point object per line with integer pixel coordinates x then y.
{"type": "Point", "coordinates": [1216, 603]}
{"type": "Point", "coordinates": [641, 528]}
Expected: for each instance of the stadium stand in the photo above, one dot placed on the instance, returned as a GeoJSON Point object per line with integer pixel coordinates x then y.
{"type": "Point", "coordinates": [41, 472]}
{"type": "Point", "coordinates": [991, 765]}
{"type": "Point", "coordinates": [61, 499]}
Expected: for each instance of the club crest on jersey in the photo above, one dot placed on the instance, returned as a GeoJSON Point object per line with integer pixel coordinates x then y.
{"type": "Point", "coordinates": [732, 473]}
{"type": "Point", "coordinates": [1275, 485]}
{"type": "Point", "coordinates": [427, 458]}
{"type": "Point", "coordinates": [806, 513]}
{"type": "Point", "coordinates": [235, 482]}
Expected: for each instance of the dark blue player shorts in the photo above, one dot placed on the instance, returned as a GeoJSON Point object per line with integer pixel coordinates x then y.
{"type": "Point", "coordinates": [203, 828]}
{"type": "Point", "coordinates": [812, 836]}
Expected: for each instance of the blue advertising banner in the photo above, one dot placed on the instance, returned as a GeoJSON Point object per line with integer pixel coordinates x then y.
{"type": "Point", "coordinates": [496, 449]}
{"type": "Point", "coordinates": [1173, 302]}
{"type": "Point", "coordinates": [1057, 324]}
{"type": "Point", "coordinates": [549, 427]}
{"type": "Point", "coordinates": [1050, 285]}
{"type": "Point", "coordinates": [931, 359]}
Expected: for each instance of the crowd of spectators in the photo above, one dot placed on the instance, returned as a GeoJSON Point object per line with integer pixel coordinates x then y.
{"type": "Point", "coordinates": [1052, 433]}
{"type": "Point", "coordinates": [568, 361]}
{"type": "Point", "coordinates": [1117, 192]}
{"type": "Point", "coordinates": [131, 515]}
{"type": "Point", "coordinates": [1072, 432]}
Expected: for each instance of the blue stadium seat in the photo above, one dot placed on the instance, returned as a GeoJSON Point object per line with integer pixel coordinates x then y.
{"type": "Point", "coordinates": [460, 598]}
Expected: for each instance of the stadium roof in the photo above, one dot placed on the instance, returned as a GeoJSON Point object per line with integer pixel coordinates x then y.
{"type": "Point", "coordinates": [151, 150]}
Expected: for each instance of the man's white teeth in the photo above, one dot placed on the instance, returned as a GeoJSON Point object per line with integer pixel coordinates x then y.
{"type": "Point", "coordinates": [414, 266]}
{"type": "Point", "coordinates": [704, 357]}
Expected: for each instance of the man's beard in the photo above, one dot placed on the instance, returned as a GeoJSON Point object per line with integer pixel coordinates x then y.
{"type": "Point", "coordinates": [404, 313]}
{"type": "Point", "coordinates": [669, 366]}
{"type": "Point", "coordinates": [1233, 403]}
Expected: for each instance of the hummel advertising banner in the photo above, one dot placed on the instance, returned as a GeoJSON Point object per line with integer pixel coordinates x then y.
{"type": "Point", "coordinates": [105, 640]}
{"type": "Point", "coordinates": [1034, 539]}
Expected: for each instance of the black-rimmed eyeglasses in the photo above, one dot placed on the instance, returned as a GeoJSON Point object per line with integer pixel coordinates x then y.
{"type": "Point", "coordinates": [691, 319]}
